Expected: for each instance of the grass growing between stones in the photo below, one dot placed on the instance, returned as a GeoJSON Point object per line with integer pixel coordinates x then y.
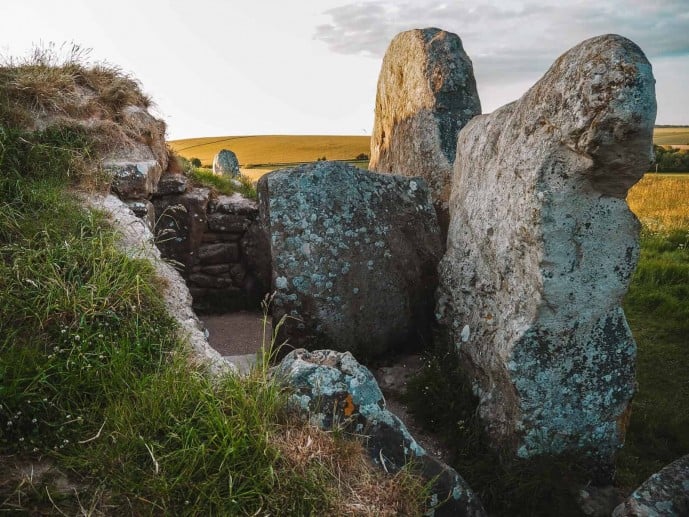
{"type": "Point", "coordinates": [101, 409]}
{"type": "Point", "coordinates": [222, 184]}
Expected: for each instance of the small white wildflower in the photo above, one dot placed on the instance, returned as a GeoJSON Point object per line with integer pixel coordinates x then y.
{"type": "Point", "coordinates": [76, 337]}
{"type": "Point", "coordinates": [34, 420]}
{"type": "Point", "coordinates": [21, 439]}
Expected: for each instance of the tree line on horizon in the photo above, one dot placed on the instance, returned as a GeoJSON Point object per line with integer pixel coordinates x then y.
{"type": "Point", "coordinates": [670, 159]}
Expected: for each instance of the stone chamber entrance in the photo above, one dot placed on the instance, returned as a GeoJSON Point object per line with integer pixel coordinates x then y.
{"type": "Point", "coordinates": [216, 244]}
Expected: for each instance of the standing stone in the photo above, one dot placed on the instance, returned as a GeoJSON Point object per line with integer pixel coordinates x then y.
{"type": "Point", "coordinates": [353, 257]}
{"type": "Point", "coordinates": [541, 248]}
{"type": "Point", "coordinates": [426, 94]}
{"type": "Point", "coordinates": [225, 163]}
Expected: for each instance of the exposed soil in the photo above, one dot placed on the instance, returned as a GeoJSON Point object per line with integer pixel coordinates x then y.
{"type": "Point", "coordinates": [392, 380]}
{"type": "Point", "coordinates": [236, 333]}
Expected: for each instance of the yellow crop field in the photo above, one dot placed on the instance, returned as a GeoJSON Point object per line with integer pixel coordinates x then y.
{"type": "Point", "coordinates": [274, 151]}
{"type": "Point", "coordinates": [267, 151]}
{"type": "Point", "coordinates": [261, 154]}
{"type": "Point", "coordinates": [675, 136]}
{"type": "Point", "coordinates": [661, 201]}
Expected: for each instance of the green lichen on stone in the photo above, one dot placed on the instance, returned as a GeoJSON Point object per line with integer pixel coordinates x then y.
{"type": "Point", "coordinates": [572, 403]}
{"type": "Point", "coordinates": [353, 253]}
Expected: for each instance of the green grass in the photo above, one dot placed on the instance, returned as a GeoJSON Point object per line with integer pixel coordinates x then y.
{"type": "Point", "coordinates": [94, 379]}
{"type": "Point", "coordinates": [223, 185]}
{"type": "Point", "coordinates": [658, 312]}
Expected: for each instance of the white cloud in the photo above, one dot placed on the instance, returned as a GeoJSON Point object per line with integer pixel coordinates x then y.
{"type": "Point", "coordinates": [513, 43]}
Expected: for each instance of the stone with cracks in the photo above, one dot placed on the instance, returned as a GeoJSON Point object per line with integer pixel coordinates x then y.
{"type": "Point", "coordinates": [334, 391]}
{"type": "Point", "coordinates": [426, 94]}
{"type": "Point", "coordinates": [226, 163]}
{"type": "Point", "coordinates": [353, 257]}
{"type": "Point", "coordinates": [541, 248]}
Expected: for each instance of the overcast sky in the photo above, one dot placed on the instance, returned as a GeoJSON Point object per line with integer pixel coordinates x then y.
{"type": "Point", "coordinates": [225, 67]}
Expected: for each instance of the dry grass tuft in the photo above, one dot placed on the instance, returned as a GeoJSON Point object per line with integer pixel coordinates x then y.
{"type": "Point", "coordinates": [661, 201]}
{"type": "Point", "coordinates": [47, 83]}
{"type": "Point", "coordinates": [59, 87]}
{"type": "Point", "coordinates": [358, 487]}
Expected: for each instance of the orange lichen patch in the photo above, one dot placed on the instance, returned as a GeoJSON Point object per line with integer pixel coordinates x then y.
{"type": "Point", "coordinates": [349, 406]}
{"type": "Point", "coordinates": [358, 487]}
{"type": "Point", "coordinates": [623, 421]}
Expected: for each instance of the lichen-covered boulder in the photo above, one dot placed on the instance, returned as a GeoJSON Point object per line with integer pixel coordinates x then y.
{"type": "Point", "coordinates": [664, 494]}
{"type": "Point", "coordinates": [353, 257]}
{"type": "Point", "coordinates": [426, 94]}
{"type": "Point", "coordinates": [226, 163]}
{"type": "Point", "coordinates": [334, 391]}
{"type": "Point", "coordinates": [541, 248]}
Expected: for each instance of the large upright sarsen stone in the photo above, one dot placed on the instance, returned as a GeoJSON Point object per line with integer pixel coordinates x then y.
{"type": "Point", "coordinates": [354, 257]}
{"type": "Point", "coordinates": [541, 248]}
{"type": "Point", "coordinates": [426, 94]}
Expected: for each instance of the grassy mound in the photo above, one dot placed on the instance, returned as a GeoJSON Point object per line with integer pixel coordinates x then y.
{"type": "Point", "coordinates": [100, 409]}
